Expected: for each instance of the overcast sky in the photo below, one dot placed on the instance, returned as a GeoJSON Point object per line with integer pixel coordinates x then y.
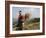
{"type": "Point", "coordinates": [34, 11]}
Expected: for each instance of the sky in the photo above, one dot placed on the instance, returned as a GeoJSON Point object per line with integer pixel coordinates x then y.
{"type": "Point", "coordinates": [35, 12]}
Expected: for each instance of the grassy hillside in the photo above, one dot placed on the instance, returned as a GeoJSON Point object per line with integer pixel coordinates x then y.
{"type": "Point", "coordinates": [32, 24]}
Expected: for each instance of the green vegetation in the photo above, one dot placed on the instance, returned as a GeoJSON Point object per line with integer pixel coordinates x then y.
{"type": "Point", "coordinates": [33, 24]}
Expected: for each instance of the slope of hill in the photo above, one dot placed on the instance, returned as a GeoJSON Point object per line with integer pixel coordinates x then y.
{"type": "Point", "coordinates": [33, 24]}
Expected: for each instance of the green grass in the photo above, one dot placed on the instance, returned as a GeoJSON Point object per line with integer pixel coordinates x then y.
{"type": "Point", "coordinates": [33, 24]}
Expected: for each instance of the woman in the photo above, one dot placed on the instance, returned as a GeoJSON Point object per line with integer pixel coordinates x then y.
{"type": "Point", "coordinates": [20, 21]}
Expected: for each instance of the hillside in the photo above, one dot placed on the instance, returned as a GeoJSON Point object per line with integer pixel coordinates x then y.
{"type": "Point", "coordinates": [32, 24]}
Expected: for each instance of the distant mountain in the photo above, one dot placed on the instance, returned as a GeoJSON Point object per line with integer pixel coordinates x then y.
{"type": "Point", "coordinates": [34, 20]}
